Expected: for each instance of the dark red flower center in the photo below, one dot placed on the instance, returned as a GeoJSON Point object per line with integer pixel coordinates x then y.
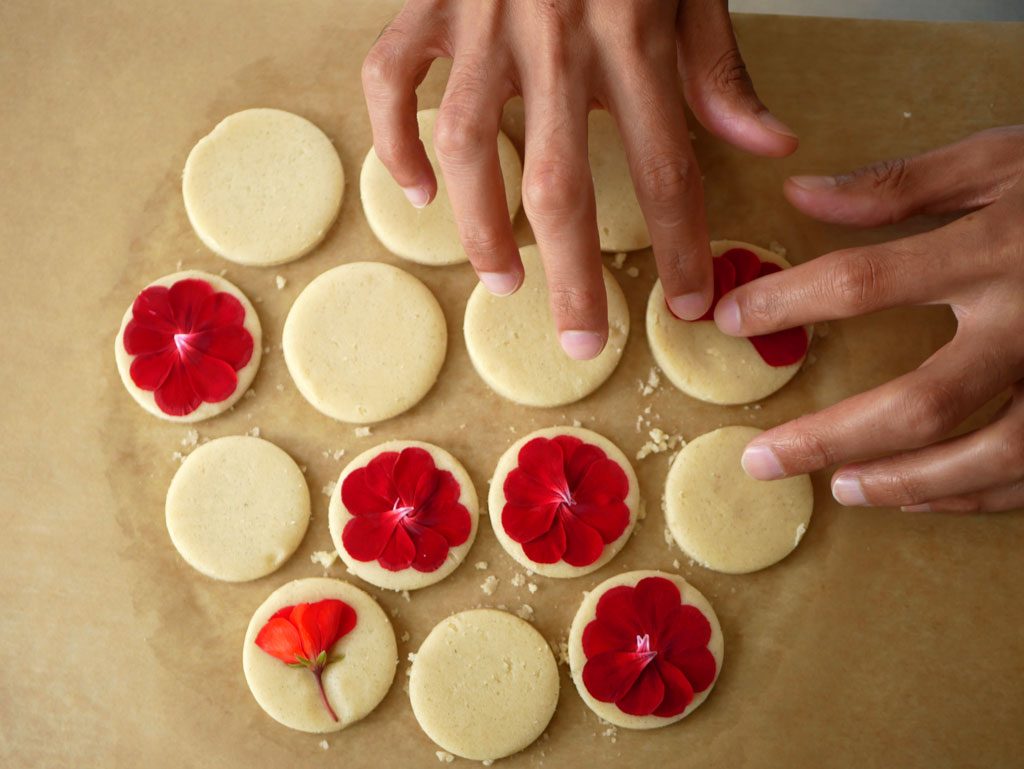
{"type": "Point", "coordinates": [565, 501]}
{"type": "Point", "coordinates": [188, 341]}
{"type": "Point", "coordinates": [736, 267]}
{"type": "Point", "coordinates": [405, 511]}
{"type": "Point", "coordinates": [647, 652]}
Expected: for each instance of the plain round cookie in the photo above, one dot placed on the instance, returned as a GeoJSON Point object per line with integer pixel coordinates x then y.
{"type": "Point", "coordinates": [496, 502]}
{"type": "Point", "coordinates": [237, 508]}
{"type": "Point", "coordinates": [246, 374]}
{"type": "Point", "coordinates": [427, 235]}
{"type": "Point", "coordinates": [484, 684]}
{"type": "Point", "coordinates": [263, 187]}
{"type": "Point", "coordinates": [514, 346]}
{"type": "Point", "coordinates": [407, 579]}
{"type": "Point", "coordinates": [705, 363]}
{"type": "Point", "coordinates": [724, 519]}
{"type": "Point", "coordinates": [364, 342]}
{"type": "Point", "coordinates": [620, 221]}
{"type": "Point", "coordinates": [354, 685]}
{"type": "Point", "coordinates": [588, 611]}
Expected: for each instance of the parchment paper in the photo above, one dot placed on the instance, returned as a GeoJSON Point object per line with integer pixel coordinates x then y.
{"type": "Point", "coordinates": [885, 640]}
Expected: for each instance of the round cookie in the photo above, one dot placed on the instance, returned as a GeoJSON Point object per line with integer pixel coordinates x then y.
{"type": "Point", "coordinates": [427, 235]}
{"type": "Point", "coordinates": [359, 668]}
{"type": "Point", "coordinates": [237, 508]}
{"type": "Point", "coordinates": [404, 515]}
{"type": "Point", "coordinates": [189, 346]}
{"type": "Point", "coordinates": [620, 221]}
{"type": "Point", "coordinates": [364, 342]}
{"type": "Point", "coordinates": [484, 684]}
{"type": "Point", "coordinates": [263, 187]}
{"type": "Point", "coordinates": [645, 649]}
{"type": "Point", "coordinates": [514, 346]}
{"type": "Point", "coordinates": [563, 501]}
{"type": "Point", "coordinates": [705, 363]}
{"type": "Point", "coordinates": [724, 519]}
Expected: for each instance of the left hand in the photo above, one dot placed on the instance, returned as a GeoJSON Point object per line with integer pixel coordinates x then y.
{"type": "Point", "coordinates": [976, 266]}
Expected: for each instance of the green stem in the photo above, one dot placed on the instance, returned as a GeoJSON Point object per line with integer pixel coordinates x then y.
{"type": "Point", "coordinates": [318, 674]}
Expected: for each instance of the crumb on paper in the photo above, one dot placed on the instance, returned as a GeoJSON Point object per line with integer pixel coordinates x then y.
{"type": "Point", "coordinates": [641, 510]}
{"type": "Point", "coordinates": [518, 580]}
{"type": "Point", "coordinates": [394, 610]}
{"type": "Point", "coordinates": [532, 587]}
{"type": "Point", "coordinates": [406, 596]}
{"type": "Point", "coordinates": [363, 432]}
{"type": "Point", "coordinates": [444, 756]}
{"type": "Point", "coordinates": [821, 329]}
{"type": "Point", "coordinates": [561, 649]}
{"type": "Point", "coordinates": [800, 531]}
{"type": "Point", "coordinates": [254, 432]}
{"type": "Point", "coordinates": [405, 637]}
{"type": "Point", "coordinates": [325, 558]}
{"type": "Point", "coordinates": [411, 656]}
{"type": "Point", "coordinates": [529, 573]}
{"type": "Point", "coordinates": [177, 456]}
{"type": "Point", "coordinates": [250, 393]}
{"type": "Point", "coordinates": [302, 469]}
{"type": "Point", "coordinates": [487, 761]}
{"type": "Point", "coordinates": [336, 455]}
{"type": "Point", "coordinates": [328, 489]}
{"type": "Point", "coordinates": [619, 259]}
{"type": "Point", "coordinates": [675, 563]}
{"type": "Point", "coordinates": [611, 731]}
{"type": "Point", "coordinates": [525, 612]}
{"type": "Point", "coordinates": [223, 272]}
{"type": "Point", "coordinates": [659, 442]}
{"type": "Point", "coordinates": [669, 539]}
{"type": "Point", "coordinates": [489, 585]}
{"type": "Point", "coordinates": [577, 423]}
{"type": "Point", "coordinates": [279, 387]}
{"type": "Point", "coordinates": [177, 265]}
{"type": "Point", "coordinates": [280, 281]}
{"type": "Point", "coordinates": [480, 565]}
{"type": "Point", "coordinates": [907, 114]}
{"type": "Point", "coordinates": [266, 350]}
{"type": "Point", "coordinates": [777, 248]}
{"type": "Point", "coordinates": [633, 272]}
{"type": "Point", "coordinates": [191, 438]}
{"type": "Point", "coordinates": [324, 745]}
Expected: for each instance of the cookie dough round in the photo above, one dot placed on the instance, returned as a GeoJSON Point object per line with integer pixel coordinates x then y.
{"type": "Point", "coordinates": [638, 629]}
{"type": "Point", "coordinates": [175, 321]}
{"type": "Point", "coordinates": [514, 346]}
{"type": "Point", "coordinates": [354, 684]}
{"type": "Point", "coordinates": [426, 513]}
{"type": "Point", "coordinates": [263, 187]}
{"type": "Point", "coordinates": [364, 342]}
{"type": "Point", "coordinates": [497, 500]}
{"type": "Point", "coordinates": [705, 363]}
{"type": "Point", "coordinates": [237, 508]}
{"type": "Point", "coordinates": [426, 235]}
{"type": "Point", "coordinates": [724, 519]}
{"type": "Point", "coordinates": [620, 221]}
{"type": "Point", "coordinates": [484, 684]}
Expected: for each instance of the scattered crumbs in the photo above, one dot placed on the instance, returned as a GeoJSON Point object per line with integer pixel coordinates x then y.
{"type": "Point", "coordinates": [336, 455]}
{"type": "Point", "coordinates": [577, 423]}
{"type": "Point", "coordinates": [487, 761]}
{"type": "Point", "coordinates": [279, 387]}
{"type": "Point", "coordinates": [518, 580]}
{"type": "Point", "coordinates": [177, 265]}
{"type": "Point", "coordinates": [800, 531]}
{"type": "Point", "coordinates": [777, 248]}
{"type": "Point", "coordinates": [280, 281]}
{"type": "Point", "coordinates": [254, 432]}
{"type": "Point", "coordinates": [639, 421]}
{"type": "Point", "coordinates": [324, 557]}
{"type": "Point", "coordinates": [675, 563]}
{"type": "Point", "coordinates": [532, 587]}
{"type": "Point", "coordinates": [611, 732]}
{"type": "Point", "coordinates": [562, 651]}
{"type": "Point", "coordinates": [406, 637]}
{"type": "Point", "coordinates": [177, 456]}
{"type": "Point", "coordinates": [641, 510]}
{"type": "Point", "coordinates": [633, 272]}
{"type": "Point", "coordinates": [266, 350]}
{"type": "Point", "coordinates": [669, 539]}
{"type": "Point", "coordinates": [511, 428]}
{"type": "Point", "coordinates": [411, 656]}
{"type": "Point", "coordinates": [525, 612]}
{"type": "Point", "coordinates": [907, 114]}
{"type": "Point", "coordinates": [444, 756]}
{"type": "Point", "coordinates": [489, 585]}
{"type": "Point", "coordinates": [250, 393]}
{"type": "Point", "coordinates": [191, 438]}
{"type": "Point", "coordinates": [480, 566]}
{"type": "Point", "coordinates": [618, 260]}
{"type": "Point", "coordinates": [529, 573]}
{"type": "Point", "coordinates": [328, 489]}
{"type": "Point", "coordinates": [660, 441]}
{"type": "Point", "coordinates": [406, 596]}
{"type": "Point", "coordinates": [363, 432]}
{"type": "Point", "coordinates": [257, 300]}
{"type": "Point", "coordinates": [324, 745]}
{"type": "Point", "coordinates": [223, 272]}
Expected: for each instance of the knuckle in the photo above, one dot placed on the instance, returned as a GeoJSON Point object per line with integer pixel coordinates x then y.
{"type": "Point", "coordinates": [663, 179]}
{"type": "Point", "coordinates": [902, 487]}
{"type": "Point", "coordinates": [889, 175]}
{"type": "Point", "coordinates": [857, 281]}
{"type": "Point", "coordinates": [458, 132]}
{"type": "Point", "coordinates": [759, 306]}
{"type": "Point", "coordinates": [574, 302]}
{"type": "Point", "coordinates": [483, 241]}
{"type": "Point", "coordinates": [551, 186]}
{"type": "Point", "coordinates": [931, 412]}
{"type": "Point", "coordinates": [728, 74]}
{"type": "Point", "coordinates": [810, 449]}
{"type": "Point", "coordinates": [1011, 449]}
{"type": "Point", "coordinates": [382, 64]}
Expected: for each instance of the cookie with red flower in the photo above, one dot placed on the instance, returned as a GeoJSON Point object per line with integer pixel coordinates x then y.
{"type": "Point", "coordinates": [563, 501]}
{"type": "Point", "coordinates": [319, 655]}
{"type": "Point", "coordinates": [645, 649]}
{"type": "Point", "coordinates": [403, 515]}
{"type": "Point", "coordinates": [189, 346]}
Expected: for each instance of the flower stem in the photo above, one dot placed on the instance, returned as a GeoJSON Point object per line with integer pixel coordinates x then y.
{"type": "Point", "coordinates": [318, 674]}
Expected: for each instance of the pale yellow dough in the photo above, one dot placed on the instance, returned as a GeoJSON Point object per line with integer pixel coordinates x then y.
{"type": "Point", "coordinates": [724, 519]}
{"type": "Point", "coordinates": [514, 346]}
{"type": "Point", "coordinates": [705, 363]}
{"type": "Point", "coordinates": [408, 579]}
{"type": "Point", "coordinates": [364, 342]}
{"type": "Point", "coordinates": [237, 508]}
{"type": "Point", "coordinates": [496, 502]}
{"type": "Point", "coordinates": [620, 221]}
{"type": "Point", "coordinates": [426, 235]}
{"type": "Point", "coordinates": [588, 611]}
{"type": "Point", "coordinates": [263, 187]}
{"type": "Point", "coordinates": [145, 398]}
{"type": "Point", "coordinates": [355, 683]}
{"type": "Point", "coordinates": [484, 684]}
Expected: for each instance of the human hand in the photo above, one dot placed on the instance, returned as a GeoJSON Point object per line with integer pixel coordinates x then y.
{"type": "Point", "coordinates": [976, 266]}
{"type": "Point", "coordinates": [564, 58]}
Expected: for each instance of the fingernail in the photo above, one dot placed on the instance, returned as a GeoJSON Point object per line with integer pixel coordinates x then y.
{"type": "Point", "coordinates": [581, 345]}
{"type": "Point", "coordinates": [727, 315]}
{"type": "Point", "coordinates": [688, 306]}
{"type": "Point", "coordinates": [773, 124]}
{"type": "Point", "coordinates": [847, 491]}
{"type": "Point", "coordinates": [760, 462]}
{"type": "Point", "coordinates": [924, 508]}
{"type": "Point", "coordinates": [500, 283]}
{"type": "Point", "coordinates": [813, 183]}
{"type": "Point", "coordinates": [418, 196]}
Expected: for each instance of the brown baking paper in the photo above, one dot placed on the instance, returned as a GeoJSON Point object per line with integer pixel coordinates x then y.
{"type": "Point", "coordinates": [885, 640]}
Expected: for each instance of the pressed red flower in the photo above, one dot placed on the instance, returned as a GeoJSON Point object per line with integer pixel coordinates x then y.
{"type": "Point", "coordinates": [736, 267]}
{"type": "Point", "coordinates": [564, 501]}
{"type": "Point", "coordinates": [302, 636]}
{"type": "Point", "coordinates": [646, 651]}
{"type": "Point", "coordinates": [188, 341]}
{"type": "Point", "coordinates": [405, 511]}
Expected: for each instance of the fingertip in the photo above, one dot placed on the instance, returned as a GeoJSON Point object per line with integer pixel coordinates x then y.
{"type": "Point", "coordinates": [582, 345]}
{"type": "Point", "coordinates": [728, 317]}
{"type": "Point", "coordinates": [501, 283]}
{"type": "Point", "coordinates": [761, 463]}
{"type": "Point", "coordinates": [689, 306]}
{"type": "Point", "coordinates": [848, 491]}
{"type": "Point", "coordinates": [418, 195]}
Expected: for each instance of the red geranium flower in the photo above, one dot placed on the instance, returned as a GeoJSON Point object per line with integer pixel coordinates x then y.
{"type": "Point", "coordinates": [564, 501]}
{"type": "Point", "coordinates": [405, 512]}
{"type": "Point", "coordinates": [189, 341]}
{"type": "Point", "coordinates": [302, 635]}
{"type": "Point", "coordinates": [736, 267]}
{"type": "Point", "coordinates": [646, 651]}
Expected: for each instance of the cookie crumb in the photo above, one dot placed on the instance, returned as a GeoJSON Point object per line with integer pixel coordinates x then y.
{"type": "Point", "coordinates": [618, 260]}
{"type": "Point", "coordinates": [444, 756]}
{"type": "Point", "coordinates": [177, 265]}
{"type": "Point", "coordinates": [562, 651]}
{"type": "Point", "coordinates": [406, 596]}
{"type": "Point", "coordinates": [250, 393]}
{"type": "Point", "coordinates": [532, 587]}
{"type": "Point", "coordinates": [363, 432]}
{"type": "Point", "coordinates": [667, 534]}
{"type": "Point", "coordinates": [279, 387]}
{"type": "Point", "coordinates": [280, 281]}
{"type": "Point", "coordinates": [777, 248]}
{"type": "Point", "coordinates": [577, 423]}
{"type": "Point", "coordinates": [405, 637]}
{"type": "Point", "coordinates": [641, 510]}
{"type": "Point", "coordinates": [525, 612]}
{"type": "Point", "coordinates": [800, 531]}
{"type": "Point", "coordinates": [489, 585]}
{"type": "Point", "coordinates": [328, 489]}
{"type": "Point", "coordinates": [191, 438]}
{"type": "Point", "coordinates": [480, 566]}
{"type": "Point", "coordinates": [660, 441]}
{"type": "Point", "coordinates": [254, 432]}
{"type": "Point", "coordinates": [518, 580]}
{"type": "Point", "coordinates": [324, 745]}
{"type": "Point", "coordinates": [675, 563]}
{"type": "Point", "coordinates": [633, 272]}
{"type": "Point", "coordinates": [177, 456]}
{"type": "Point", "coordinates": [907, 114]}
{"type": "Point", "coordinates": [324, 557]}
{"type": "Point", "coordinates": [487, 761]}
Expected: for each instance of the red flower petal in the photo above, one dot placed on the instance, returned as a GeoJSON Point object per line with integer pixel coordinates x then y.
{"type": "Point", "coordinates": [699, 667]}
{"type": "Point", "coordinates": [725, 281]}
{"type": "Point", "coordinates": [782, 348]}
{"type": "Point", "coordinates": [212, 379]}
{"type": "Point", "coordinates": [411, 468]}
{"type": "Point", "coordinates": [152, 308]}
{"type": "Point", "coordinates": [322, 624]}
{"type": "Point", "coordinates": [583, 543]}
{"type": "Point", "coordinates": [524, 490]}
{"type": "Point", "coordinates": [231, 344]}
{"type": "Point", "coordinates": [142, 339]}
{"type": "Point", "coordinates": [645, 695]}
{"type": "Point", "coordinates": [543, 461]}
{"type": "Point", "coordinates": [768, 268]}
{"type": "Point", "coordinates": [176, 395]}
{"type": "Point", "coordinates": [550, 546]}
{"type": "Point", "coordinates": [216, 311]}
{"type": "Point", "coordinates": [678, 691]}
{"type": "Point", "coordinates": [579, 460]}
{"type": "Point", "coordinates": [186, 298]}
{"type": "Point", "coordinates": [603, 483]}
{"type": "Point", "coordinates": [609, 676]}
{"type": "Point", "coordinates": [380, 477]}
{"type": "Point", "coordinates": [280, 638]}
{"type": "Point", "coordinates": [399, 552]}
{"type": "Point", "coordinates": [689, 630]}
{"type": "Point", "coordinates": [608, 520]}
{"type": "Point", "coordinates": [443, 513]}
{"type": "Point", "coordinates": [431, 547]}
{"type": "Point", "coordinates": [525, 524]}
{"type": "Point", "coordinates": [657, 603]}
{"type": "Point", "coordinates": [150, 371]}
{"type": "Point", "coordinates": [366, 536]}
{"type": "Point", "coordinates": [359, 497]}
{"type": "Point", "coordinates": [746, 264]}
{"type": "Point", "coordinates": [602, 637]}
